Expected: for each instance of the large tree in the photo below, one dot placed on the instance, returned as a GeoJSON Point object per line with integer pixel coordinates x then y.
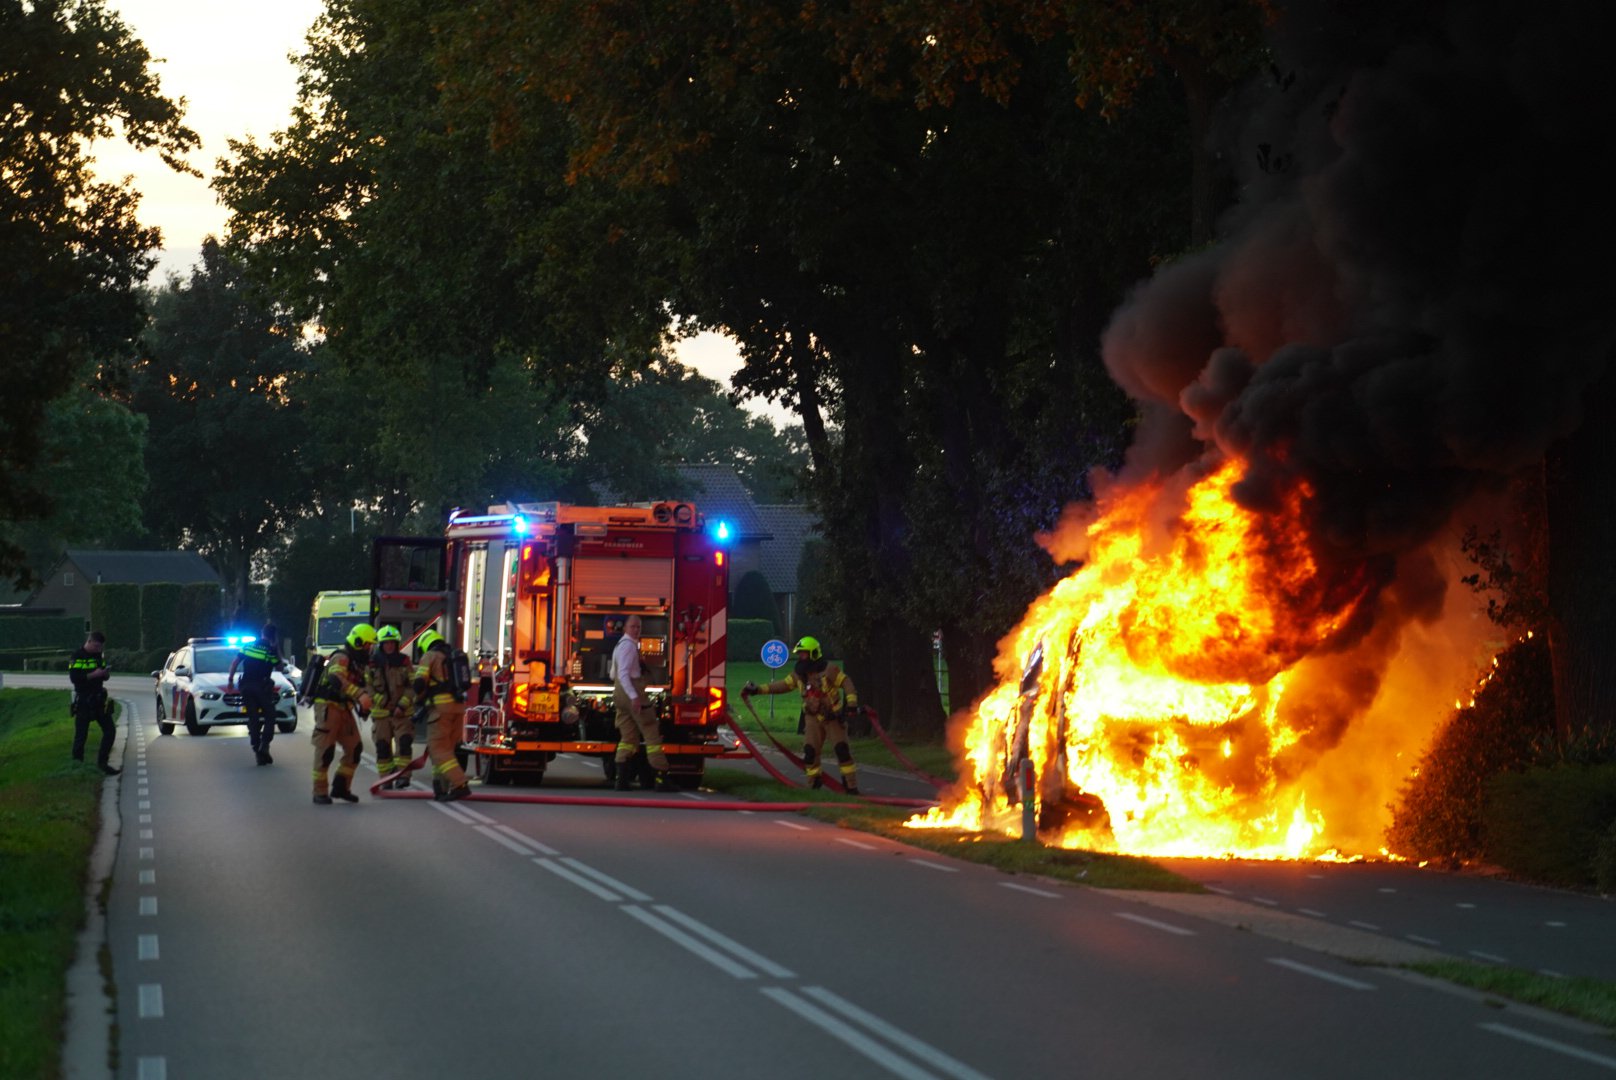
{"type": "Point", "coordinates": [924, 284]}
{"type": "Point", "coordinates": [215, 379]}
{"type": "Point", "coordinates": [73, 250]}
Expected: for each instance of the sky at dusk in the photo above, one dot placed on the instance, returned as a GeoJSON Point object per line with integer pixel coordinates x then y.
{"type": "Point", "coordinates": [230, 61]}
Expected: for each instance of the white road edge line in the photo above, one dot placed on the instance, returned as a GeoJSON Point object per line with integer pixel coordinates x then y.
{"type": "Point", "coordinates": [151, 1068]}
{"type": "Point", "coordinates": [735, 948]}
{"type": "Point", "coordinates": [1491, 958]}
{"type": "Point", "coordinates": [523, 838]}
{"type": "Point", "coordinates": [791, 825]}
{"type": "Point", "coordinates": [929, 865]}
{"type": "Point", "coordinates": [679, 937]}
{"type": "Point", "coordinates": [1363, 925]}
{"type": "Point", "coordinates": [1317, 973]}
{"type": "Point", "coordinates": [831, 1026]}
{"type": "Point", "coordinates": [606, 879]}
{"type": "Point", "coordinates": [1158, 924]}
{"type": "Point", "coordinates": [151, 1001]}
{"type": "Point", "coordinates": [578, 879]}
{"type": "Point", "coordinates": [1550, 1044]}
{"type": "Point", "coordinates": [924, 1051]}
{"type": "Point", "coordinates": [146, 947]}
{"type": "Point", "coordinates": [856, 843]}
{"type": "Point", "coordinates": [1030, 889]}
{"type": "Point", "coordinates": [475, 815]}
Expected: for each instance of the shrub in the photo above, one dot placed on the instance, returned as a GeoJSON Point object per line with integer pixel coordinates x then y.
{"type": "Point", "coordinates": [136, 661]}
{"type": "Point", "coordinates": [755, 600]}
{"type": "Point", "coordinates": [115, 611]}
{"type": "Point", "coordinates": [747, 637]}
{"type": "Point", "coordinates": [1438, 816]}
{"type": "Point", "coordinates": [28, 633]}
{"type": "Point", "coordinates": [201, 608]}
{"type": "Point", "coordinates": [159, 614]}
{"type": "Point", "coordinates": [1605, 861]}
{"type": "Point", "coordinates": [1546, 824]}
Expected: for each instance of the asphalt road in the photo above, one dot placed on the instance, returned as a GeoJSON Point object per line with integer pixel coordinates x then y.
{"type": "Point", "coordinates": [253, 934]}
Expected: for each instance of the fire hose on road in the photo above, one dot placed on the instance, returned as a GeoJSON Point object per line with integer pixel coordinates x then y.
{"type": "Point", "coordinates": [831, 781]}
{"type": "Point", "coordinates": [483, 795]}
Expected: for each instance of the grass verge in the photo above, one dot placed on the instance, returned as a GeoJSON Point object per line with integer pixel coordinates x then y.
{"type": "Point", "coordinates": [1093, 868]}
{"type": "Point", "coordinates": [48, 820]}
{"type": "Point", "coordinates": [1593, 1000]}
{"type": "Point", "coordinates": [933, 757]}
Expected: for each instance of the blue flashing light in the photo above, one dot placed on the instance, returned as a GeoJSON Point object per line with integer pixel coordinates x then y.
{"type": "Point", "coordinates": [721, 532]}
{"type": "Point", "coordinates": [241, 639]}
{"type": "Point", "coordinates": [520, 525]}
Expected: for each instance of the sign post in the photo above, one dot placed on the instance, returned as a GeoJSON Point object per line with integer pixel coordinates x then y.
{"type": "Point", "coordinates": [775, 656]}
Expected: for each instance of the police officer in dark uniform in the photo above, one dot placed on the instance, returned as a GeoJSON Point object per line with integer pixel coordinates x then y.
{"type": "Point", "coordinates": [259, 660]}
{"type": "Point", "coordinates": [88, 671]}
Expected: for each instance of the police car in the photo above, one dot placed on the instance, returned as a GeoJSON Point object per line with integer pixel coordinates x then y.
{"type": "Point", "coordinates": [191, 688]}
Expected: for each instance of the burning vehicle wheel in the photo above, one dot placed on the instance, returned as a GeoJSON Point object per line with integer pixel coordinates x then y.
{"type": "Point", "coordinates": [190, 720]}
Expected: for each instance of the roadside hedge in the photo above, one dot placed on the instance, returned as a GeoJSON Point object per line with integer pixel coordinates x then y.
{"type": "Point", "coordinates": [20, 633]}
{"type": "Point", "coordinates": [115, 611]}
{"type": "Point", "coordinates": [1547, 824]}
{"type": "Point", "coordinates": [200, 613]}
{"type": "Point", "coordinates": [755, 600]}
{"type": "Point", "coordinates": [747, 637]}
{"type": "Point", "coordinates": [159, 615]}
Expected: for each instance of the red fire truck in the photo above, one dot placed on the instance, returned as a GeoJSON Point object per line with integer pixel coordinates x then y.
{"type": "Point", "coordinates": [536, 595]}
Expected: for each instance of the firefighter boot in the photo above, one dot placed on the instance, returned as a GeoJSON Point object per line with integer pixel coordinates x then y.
{"type": "Point", "coordinates": [810, 763]}
{"type": "Point", "coordinates": [625, 773]}
{"type": "Point", "coordinates": [461, 792]}
{"type": "Point", "coordinates": [339, 789]}
{"type": "Point", "coordinates": [664, 782]}
{"type": "Point", "coordinates": [844, 758]}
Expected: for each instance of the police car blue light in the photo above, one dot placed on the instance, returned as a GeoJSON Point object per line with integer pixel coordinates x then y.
{"type": "Point", "coordinates": [721, 532]}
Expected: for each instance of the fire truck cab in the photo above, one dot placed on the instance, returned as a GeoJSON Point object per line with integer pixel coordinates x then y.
{"type": "Point", "coordinates": [536, 595]}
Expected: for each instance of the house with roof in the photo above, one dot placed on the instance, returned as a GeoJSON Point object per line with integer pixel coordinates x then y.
{"type": "Point", "coordinates": [67, 586]}
{"type": "Point", "coordinates": [720, 496]}
{"type": "Point", "coordinates": [790, 526]}
{"type": "Point", "coordinates": [768, 539]}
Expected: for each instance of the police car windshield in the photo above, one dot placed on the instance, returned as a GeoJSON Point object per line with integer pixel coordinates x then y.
{"type": "Point", "coordinates": [213, 661]}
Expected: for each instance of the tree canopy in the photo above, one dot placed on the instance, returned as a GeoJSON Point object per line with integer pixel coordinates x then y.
{"type": "Point", "coordinates": [74, 250]}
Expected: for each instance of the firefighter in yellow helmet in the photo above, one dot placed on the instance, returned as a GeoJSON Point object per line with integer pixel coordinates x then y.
{"type": "Point", "coordinates": [437, 687]}
{"type": "Point", "coordinates": [341, 690]}
{"type": "Point", "coordinates": [391, 680]}
{"type": "Point", "coordinates": [828, 696]}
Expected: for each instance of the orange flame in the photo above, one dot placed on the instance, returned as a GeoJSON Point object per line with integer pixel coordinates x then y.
{"type": "Point", "coordinates": [1149, 688]}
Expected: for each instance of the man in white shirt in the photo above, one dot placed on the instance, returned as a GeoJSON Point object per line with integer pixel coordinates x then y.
{"type": "Point", "coordinates": [636, 722]}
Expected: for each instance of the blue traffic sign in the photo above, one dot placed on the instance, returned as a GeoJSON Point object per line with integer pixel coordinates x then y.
{"type": "Point", "coordinates": [775, 653]}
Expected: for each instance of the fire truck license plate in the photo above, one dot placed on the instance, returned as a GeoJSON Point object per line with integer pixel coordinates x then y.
{"type": "Point", "coordinates": [546, 701]}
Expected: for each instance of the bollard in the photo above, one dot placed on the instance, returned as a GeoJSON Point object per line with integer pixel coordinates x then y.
{"type": "Point", "coordinates": [1029, 824]}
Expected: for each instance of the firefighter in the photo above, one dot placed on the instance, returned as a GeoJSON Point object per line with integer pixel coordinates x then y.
{"type": "Point", "coordinates": [259, 660]}
{"type": "Point", "coordinates": [87, 670]}
{"type": "Point", "coordinates": [828, 702]}
{"type": "Point", "coordinates": [391, 679]}
{"type": "Point", "coordinates": [341, 690]}
{"type": "Point", "coordinates": [636, 721]}
{"type": "Point", "coordinates": [436, 687]}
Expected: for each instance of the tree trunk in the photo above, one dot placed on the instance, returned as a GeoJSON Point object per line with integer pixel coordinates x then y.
{"type": "Point", "coordinates": [1582, 566]}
